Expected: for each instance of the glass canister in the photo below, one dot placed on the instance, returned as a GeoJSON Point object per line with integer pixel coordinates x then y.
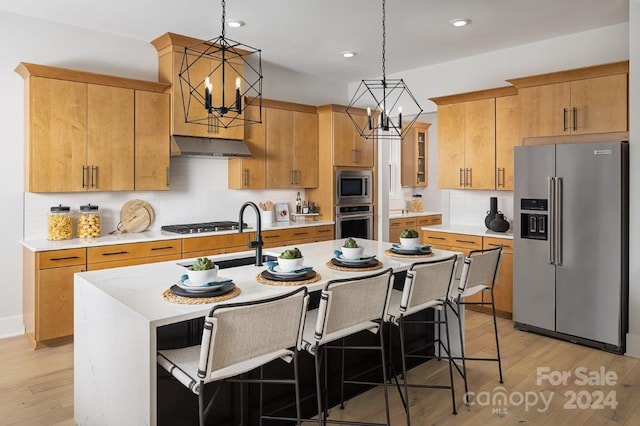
{"type": "Point", "coordinates": [89, 221]}
{"type": "Point", "coordinates": [60, 223]}
{"type": "Point", "coordinates": [416, 203]}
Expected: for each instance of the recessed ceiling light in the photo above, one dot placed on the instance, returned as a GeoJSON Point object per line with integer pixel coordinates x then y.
{"type": "Point", "coordinates": [348, 54]}
{"type": "Point", "coordinates": [235, 23]}
{"type": "Point", "coordinates": [460, 22]}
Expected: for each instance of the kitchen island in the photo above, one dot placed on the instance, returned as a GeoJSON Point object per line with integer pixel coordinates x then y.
{"type": "Point", "coordinates": [120, 312]}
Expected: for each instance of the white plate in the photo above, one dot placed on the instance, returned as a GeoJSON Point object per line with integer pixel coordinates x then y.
{"type": "Point", "coordinates": [363, 259]}
{"type": "Point", "coordinates": [186, 284]}
{"type": "Point", "coordinates": [278, 272]}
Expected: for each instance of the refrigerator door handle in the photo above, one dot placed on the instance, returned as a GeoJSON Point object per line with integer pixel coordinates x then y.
{"type": "Point", "coordinates": [558, 232]}
{"type": "Point", "coordinates": [551, 197]}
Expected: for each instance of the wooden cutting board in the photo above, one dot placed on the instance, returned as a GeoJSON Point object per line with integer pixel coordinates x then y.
{"type": "Point", "coordinates": [135, 216]}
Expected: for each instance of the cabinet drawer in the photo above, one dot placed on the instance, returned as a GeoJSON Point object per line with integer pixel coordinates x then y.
{"type": "Point", "coordinates": [216, 242]}
{"type": "Point", "coordinates": [282, 235]}
{"type": "Point", "coordinates": [437, 238]}
{"type": "Point", "coordinates": [133, 251]}
{"type": "Point", "coordinates": [467, 241]}
{"type": "Point", "coordinates": [323, 232]}
{"type": "Point", "coordinates": [492, 242]}
{"type": "Point", "coordinates": [396, 223]}
{"type": "Point", "coordinates": [435, 219]}
{"type": "Point", "coordinates": [58, 258]}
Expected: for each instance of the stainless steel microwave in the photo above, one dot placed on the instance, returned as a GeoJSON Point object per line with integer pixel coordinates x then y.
{"type": "Point", "coordinates": [353, 187]}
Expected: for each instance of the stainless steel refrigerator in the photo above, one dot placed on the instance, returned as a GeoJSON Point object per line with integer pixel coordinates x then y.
{"type": "Point", "coordinates": [570, 277]}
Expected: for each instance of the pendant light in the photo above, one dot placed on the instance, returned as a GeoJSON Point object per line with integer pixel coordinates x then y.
{"type": "Point", "coordinates": [219, 79]}
{"type": "Point", "coordinates": [383, 99]}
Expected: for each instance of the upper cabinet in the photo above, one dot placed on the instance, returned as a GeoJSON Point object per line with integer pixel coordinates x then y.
{"type": "Point", "coordinates": [414, 156]}
{"type": "Point", "coordinates": [474, 131]}
{"type": "Point", "coordinates": [84, 130]}
{"type": "Point", "coordinates": [170, 49]}
{"type": "Point", "coordinates": [284, 149]}
{"type": "Point", "coordinates": [575, 102]}
{"type": "Point", "coordinates": [349, 148]}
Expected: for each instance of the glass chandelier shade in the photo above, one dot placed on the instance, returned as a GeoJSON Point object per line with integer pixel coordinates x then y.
{"type": "Point", "coordinates": [219, 79]}
{"type": "Point", "coordinates": [384, 99]}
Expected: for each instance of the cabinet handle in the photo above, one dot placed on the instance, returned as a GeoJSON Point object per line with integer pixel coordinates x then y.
{"type": "Point", "coordinates": [301, 233]}
{"type": "Point", "coordinates": [468, 181]}
{"type": "Point", "coordinates": [564, 119]}
{"type": "Point", "coordinates": [270, 236]}
{"type": "Point", "coordinates": [245, 177]}
{"type": "Point", "coordinates": [94, 176]}
{"type": "Point", "coordinates": [162, 248]}
{"type": "Point", "coordinates": [437, 238]}
{"type": "Point", "coordinates": [323, 230]}
{"type": "Point", "coordinates": [167, 174]}
{"type": "Point", "coordinates": [293, 179]}
{"type": "Point", "coordinates": [501, 170]}
{"type": "Point", "coordinates": [461, 183]}
{"type": "Point", "coordinates": [575, 119]}
{"type": "Point", "coordinates": [55, 259]}
{"type": "Point", "coordinates": [465, 241]}
{"type": "Point", "coordinates": [115, 253]}
{"type": "Point", "coordinates": [84, 173]}
{"type": "Point", "coordinates": [498, 245]}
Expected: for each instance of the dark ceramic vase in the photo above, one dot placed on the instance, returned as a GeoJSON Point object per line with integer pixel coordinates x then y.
{"type": "Point", "coordinates": [499, 224]}
{"type": "Point", "coordinates": [491, 213]}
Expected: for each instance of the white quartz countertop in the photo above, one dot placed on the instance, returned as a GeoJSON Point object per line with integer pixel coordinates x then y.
{"type": "Point", "coordinates": [140, 287]}
{"type": "Point", "coordinates": [480, 231]}
{"type": "Point", "coordinates": [139, 237]}
{"type": "Point", "coordinates": [398, 214]}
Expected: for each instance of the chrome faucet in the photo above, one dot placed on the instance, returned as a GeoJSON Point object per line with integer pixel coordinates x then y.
{"type": "Point", "coordinates": [257, 244]}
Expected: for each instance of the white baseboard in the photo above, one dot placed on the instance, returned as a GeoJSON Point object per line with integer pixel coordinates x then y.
{"type": "Point", "coordinates": [633, 345]}
{"type": "Point", "coordinates": [11, 326]}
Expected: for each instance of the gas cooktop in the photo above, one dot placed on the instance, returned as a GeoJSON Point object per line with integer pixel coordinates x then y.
{"type": "Point", "coordinates": [194, 228]}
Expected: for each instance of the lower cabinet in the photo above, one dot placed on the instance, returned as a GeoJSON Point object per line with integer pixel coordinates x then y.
{"type": "Point", "coordinates": [415, 222]}
{"type": "Point", "coordinates": [48, 293]}
{"type": "Point", "coordinates": [323, 233]}
{"type": "Point", "coordinates": [216, 244]}
{"type": "Point", "coordinates": [503, 291]}
{"type": "Point", "coordinates": [117, 255]}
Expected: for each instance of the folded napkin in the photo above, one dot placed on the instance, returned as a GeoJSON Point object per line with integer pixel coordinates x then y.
{"type": "Point", "coordinates": [421, 248]}
{"type": "Point", "coordinates": [272, 265]}
{"type": "Point", "coordinates": [185, 277]}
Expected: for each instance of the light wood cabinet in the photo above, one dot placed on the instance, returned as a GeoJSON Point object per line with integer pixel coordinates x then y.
{"type": "Point", "coordinates": [112, 256]}
{"type": "Point", "coordinates": [323, 233]}
{"type": "Point", "coordinates": [507, 137]}
{"type": "Point", "coordinates": [170, 49]}
{"type": "Point", "coordinates": [152, 141]}
{"type": "Point", "coordinates": [574, 102]}
{"type": "Point", "coordinates": [216, 244]}
{"type": "Point", "coordinates": [110, 138]}
{"type": "Point", "coordinates": [349, 148]}
{"type": "Point", "coordinates": [249, 172]}
{"type": "Point", "coordinates": [81, 131]}
{"type": "Point", "coordinates": [292, 148]}
{"type": "Point", "coordinates": [396, 225]}
{"type": "Point", "coordinates": [503, 290]}
{"type": "Point", "coordinates": [468, 128]}
{"type": "Point", "coordinates": [48, 294]}
{"type": "Point", "coordinates": [414, 156]}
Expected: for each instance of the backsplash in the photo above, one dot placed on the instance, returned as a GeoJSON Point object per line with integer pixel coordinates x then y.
{"type": "Point", "coordinates": [198, 193]}
{"type": "Point", "coordinates": [470, 207]}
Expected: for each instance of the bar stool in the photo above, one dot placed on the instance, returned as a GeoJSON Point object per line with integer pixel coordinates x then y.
{"type": "Point", "coordinates": [427, 285]}
{"type": "Point", "coordinates": [237, 338]}
{"type": "Point", "coordinates": [479, 274]}
{"type": "Point", "coordinates": [347, 306]}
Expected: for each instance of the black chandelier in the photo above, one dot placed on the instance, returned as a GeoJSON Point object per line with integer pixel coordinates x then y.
{"type": "Point", "coordinates": [383, 99]}
{"type": "Point", "coordinates": [219, 79]}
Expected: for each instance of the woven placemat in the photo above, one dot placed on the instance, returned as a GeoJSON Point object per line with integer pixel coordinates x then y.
{"type": "Point", "coordinates": [263, 280]}
{"type": "Point", "coordinates": [174, 298]}
{"type": "Point", "coordinates": [389, 253]}
{"type": "Point", "coordinates": [347, 269]}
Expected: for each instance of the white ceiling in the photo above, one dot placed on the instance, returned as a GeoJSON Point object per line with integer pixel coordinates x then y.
{"type": "Point", "coordinates": [308, 35]}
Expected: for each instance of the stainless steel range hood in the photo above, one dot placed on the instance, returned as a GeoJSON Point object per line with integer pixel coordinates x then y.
{"type": "Point", "coordinates": [207, 147]}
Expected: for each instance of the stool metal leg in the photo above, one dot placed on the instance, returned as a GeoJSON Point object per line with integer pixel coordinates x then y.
{"type": "Point", "coordinates": [464, 364]}
{"type": "Point", "coordinates": [384, 376]}
{"type": "Point", "coordinates": [318, 365]}
{"type": "Point", "coordinates": [448, 349]}
{"type": "Point", "coordinates": [405, 400]}
{"type": "Point", "coordinates": [495, 330]}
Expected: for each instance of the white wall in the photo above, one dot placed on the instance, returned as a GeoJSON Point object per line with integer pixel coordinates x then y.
{"type": "Point", "coordinates": [198, 185]}
{"type": "Point", "coordinates": [633, 338]}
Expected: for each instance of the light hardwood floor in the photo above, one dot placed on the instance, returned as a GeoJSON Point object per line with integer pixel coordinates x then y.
{"type": "Point", "coordinates": [36, 387]}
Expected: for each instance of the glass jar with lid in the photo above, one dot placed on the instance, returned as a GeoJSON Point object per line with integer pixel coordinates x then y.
{"type": "Point", "coordinates": [89, 221]}
{"type": "Point", "coordinates": [416, 203]}
{"type": "Point", "coordinates": [60, 223]}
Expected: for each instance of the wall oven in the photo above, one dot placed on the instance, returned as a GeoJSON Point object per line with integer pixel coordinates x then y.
{"type": "Point", "coordinates": [354, 221]}
{"type": "Point", "coordinates": [353, 187]}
